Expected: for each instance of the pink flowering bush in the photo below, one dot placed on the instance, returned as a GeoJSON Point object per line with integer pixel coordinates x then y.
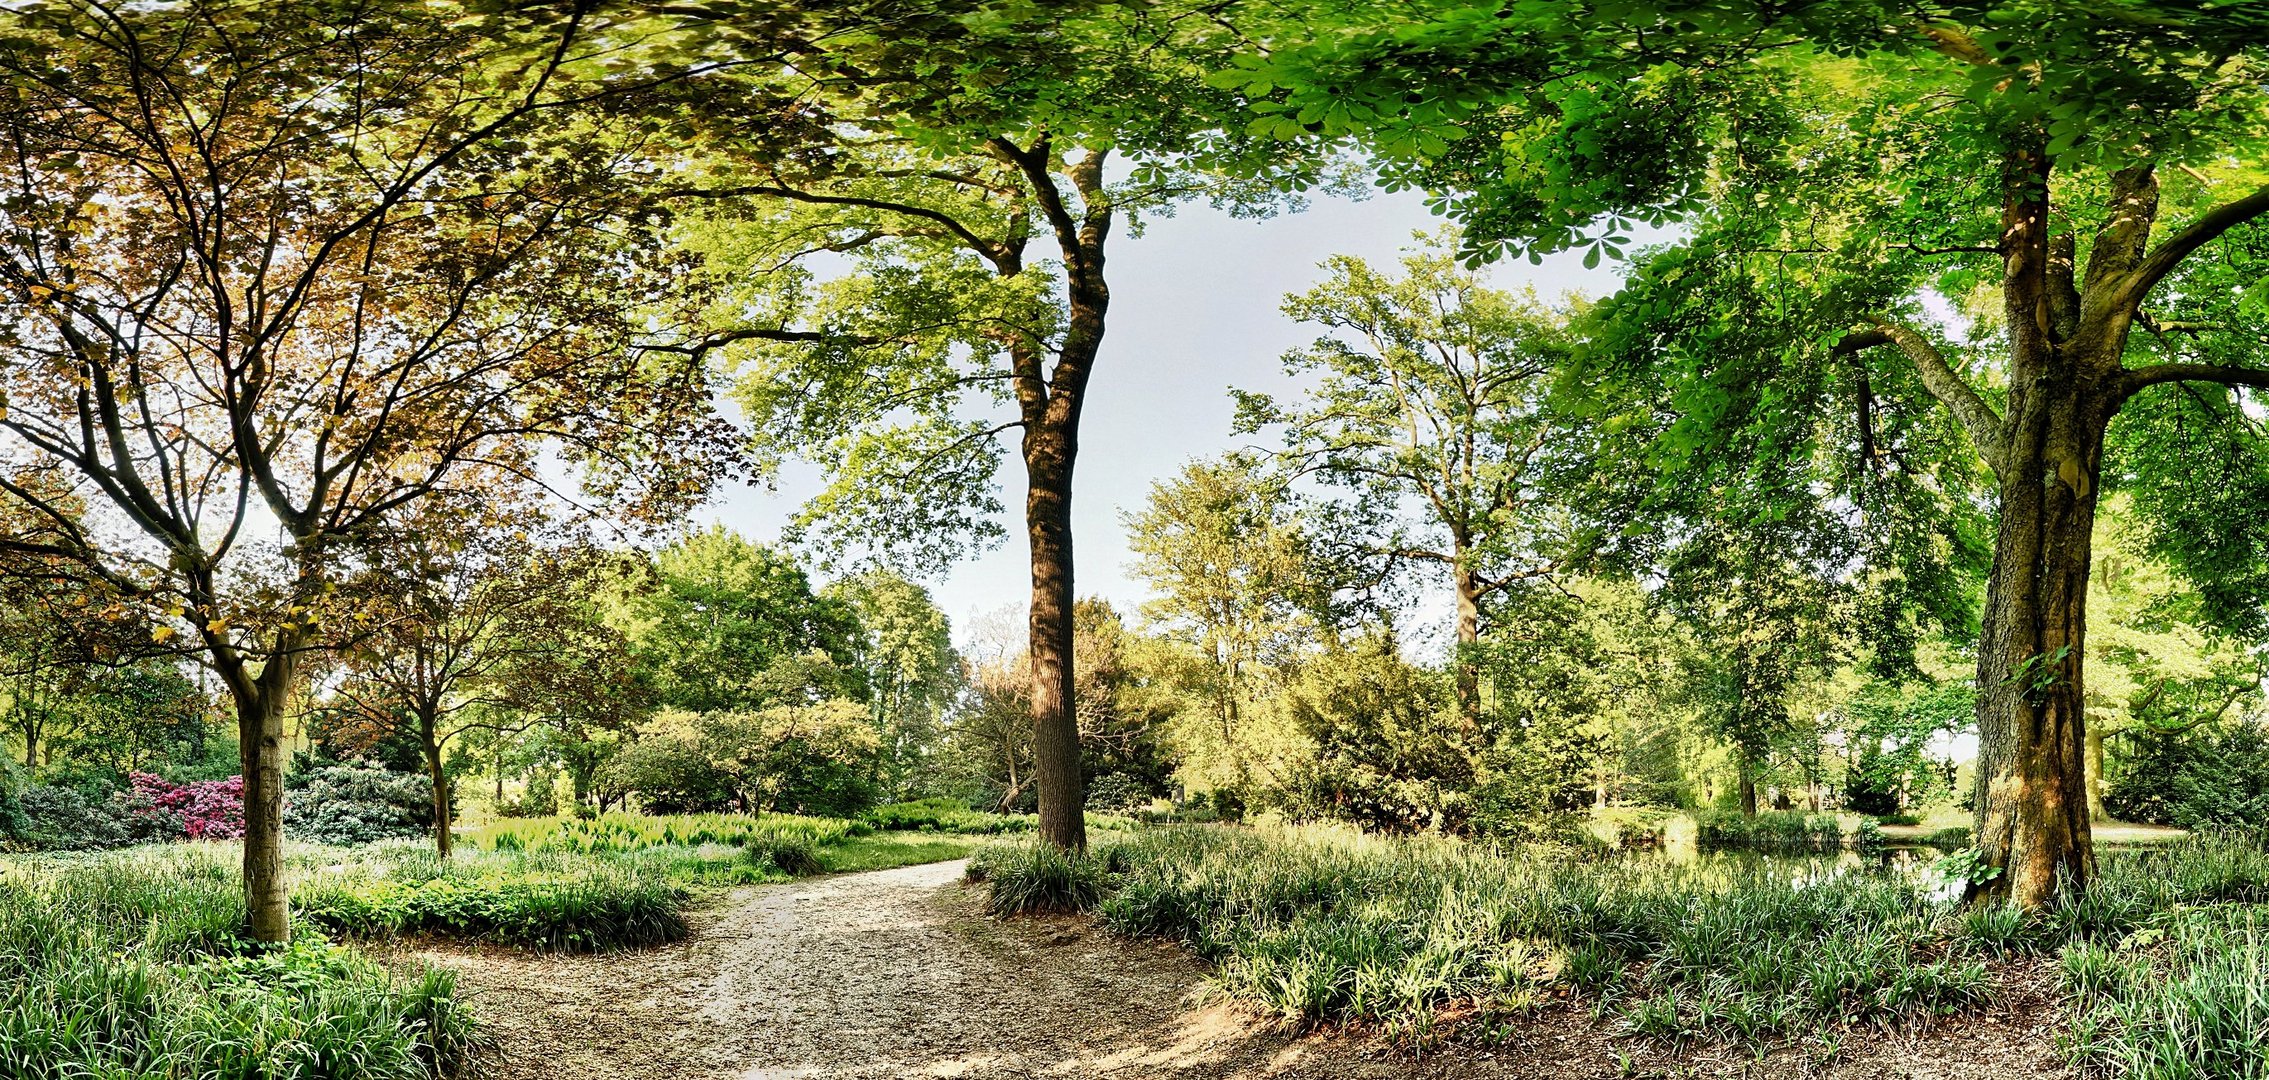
{"type": "Point", "coordinates": [206, 809]}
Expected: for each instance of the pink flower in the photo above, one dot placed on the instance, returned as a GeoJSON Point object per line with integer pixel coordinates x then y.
{"type": "Point", "coordinates": [208, 809]}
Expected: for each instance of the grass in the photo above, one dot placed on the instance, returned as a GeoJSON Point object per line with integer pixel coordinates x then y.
{"type": "Point", "coordinates": [2163, 956]}
{"type": "Point", "coordinates": [128, 965]}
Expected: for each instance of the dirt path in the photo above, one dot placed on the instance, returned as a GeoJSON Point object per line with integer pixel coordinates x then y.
{"type": "Point", "coordinates": [897, 973]}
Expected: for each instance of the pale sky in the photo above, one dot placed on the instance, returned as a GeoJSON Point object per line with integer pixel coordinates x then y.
{"type": "Point", "coordinates": [1194, 311]}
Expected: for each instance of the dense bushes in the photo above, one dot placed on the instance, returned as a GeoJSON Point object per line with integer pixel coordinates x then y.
{"type": "Point", "coordinates": [92, 816]}
{"type": "Point", "coordinates": [1786, 832]}
{"type": "Point", "coordinates": [130, 966]}
{"type": "Point", "coordinates": [2211, 777]}
{"type": "Point", "coordinates": [944, 815]}
{"type": "Point", "coordinates": [805, 759]}
{"type": "Point", "coordinates": [356, 804]}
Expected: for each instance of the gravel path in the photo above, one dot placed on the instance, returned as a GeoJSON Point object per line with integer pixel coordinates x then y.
{"type": "Point", "coordinates": [898, 974]}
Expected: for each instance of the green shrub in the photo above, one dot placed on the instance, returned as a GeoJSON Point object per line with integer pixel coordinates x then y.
{"type": "Point", "coordinates": [1038, 877]}
{"type": "Point", "coordinates": [1781, 831]}
{"type": "Point", "coordinates": [357, 804]}
{"type": "Point", "coordinates": [550, 902]}
{"type": "Point", "coordinates": [944, 815]}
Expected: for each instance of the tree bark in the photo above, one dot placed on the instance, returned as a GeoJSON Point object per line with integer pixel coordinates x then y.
{"type": "Point", "coordinates": [1055, 723]}
{"type": "Point", "coordinates": [260, 732]}
{"type": "Point", "coordinates": [1469, 638]}
{"type": "Point", "coordinates": [2096, 811]}
{"type": "Point", "coordinates": [1748, 789]}
{"type": "Point", "coordinates": [440, 779]}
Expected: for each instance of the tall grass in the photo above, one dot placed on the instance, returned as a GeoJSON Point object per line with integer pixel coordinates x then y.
{"type": "Point", "coordinates": [1323, 925]}
{"type": "Point", "coordinates": [130, 967]}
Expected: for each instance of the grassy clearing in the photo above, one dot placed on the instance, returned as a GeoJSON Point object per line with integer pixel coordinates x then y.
{"type": "Point", "coordinates": [2163, 956]}
{"type": "Point", "coordinates": [129, 966]}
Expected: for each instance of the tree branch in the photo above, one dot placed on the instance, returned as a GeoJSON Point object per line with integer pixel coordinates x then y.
{"type": "Point", "coordinates": [2169, 254]}
{"type": "Point", "coordinates": [1983, 425]}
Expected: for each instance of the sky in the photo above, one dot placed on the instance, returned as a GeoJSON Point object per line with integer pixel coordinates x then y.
{"type": "Point", "coordinates": [1194, 310]}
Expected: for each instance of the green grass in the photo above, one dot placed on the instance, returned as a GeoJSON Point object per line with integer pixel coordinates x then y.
{"type": "Point", "coordinates": [128, 966]}
{"type": "Point", "coordinates": [2164, 954]}
{"type": "Point", "coordinates": [889, 850]}
{"type": "Point", "coordinates": [549, 900]}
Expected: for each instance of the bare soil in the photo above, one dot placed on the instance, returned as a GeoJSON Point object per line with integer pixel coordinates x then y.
{"type": "Point", "coordinates": [898, 973]}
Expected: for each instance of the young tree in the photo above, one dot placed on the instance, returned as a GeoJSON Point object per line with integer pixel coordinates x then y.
{"type": "Point", "coordinates": [451, 618]}
{"type": "Point", "coordinates": [1232, 576]}
{"type": "Point", "coordinates": [713, 619]}
{"type": "Point", "coordinates": [1430, 412]}
{"type": "Point", "coordinates": [282, 275]}
{"type": "Point", "coordinates": [1846, 171]}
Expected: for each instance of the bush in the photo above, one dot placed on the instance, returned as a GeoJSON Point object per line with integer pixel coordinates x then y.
{"type": "Point", "coordinates": [1038, 877]}
{"type": "Point", "coordinates": [207, 809]}
{"type": "Point", "coordinates": [1117, 793]}
{"type": "Point", "coordinates": [2202, 779]}
{"type": "Point", "coordinates": [64, 819]}
{"type": "Point", "coordinates": [549, 903]}
{"type": "Point", "coordinates": [1783, 831]}
{"type": "Point", "coordinates": [943, 815]}
{"type": "Point", "coordinates": [539, 799]}
{"type": "Point", "coordinates": [357, 804]}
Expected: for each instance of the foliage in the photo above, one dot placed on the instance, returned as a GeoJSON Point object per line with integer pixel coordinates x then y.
{"type": "Point", "coordinates": [803, 758]}
{"type": "Point", "coordinates": [356, 804]}
{"type": "Point", "coordinates": [1034, 878]}
{"type": "Point", "coordinates": [2213, 776]}
{"type": "Point", "coordinates": [204, 809]}
{"type": "Point", "coordinates": [1325, 926]}
{"type": "Point", "coordinates": [942, 815]}
{"type": "Point", "coordinates": [549, 902]}
{"type": "Point", "coordinates": [131, 964]}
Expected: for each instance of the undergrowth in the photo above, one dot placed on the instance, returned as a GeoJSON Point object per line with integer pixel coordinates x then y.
{"type": "Point", "coordinates": [130, 966]}
{"type": "Point", "coordinates": [2163, 956]}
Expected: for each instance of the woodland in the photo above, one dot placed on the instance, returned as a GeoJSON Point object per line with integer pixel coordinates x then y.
{"type": "Point", "coordinates": [1849, 627]}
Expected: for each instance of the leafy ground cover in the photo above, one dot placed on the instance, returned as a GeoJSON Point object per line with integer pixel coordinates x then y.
{"type": "Point", "coordinates": [129, 965]}
{"type": "Point", "coordinates": [2161, 960]}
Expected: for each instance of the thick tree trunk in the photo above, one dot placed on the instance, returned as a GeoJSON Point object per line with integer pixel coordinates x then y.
{"type": "Point", "coordinates": [1048, 456]}
{"type": "Point", "coordinates": [2032, 799]}
{"type": "Point", "coordinates": [260, 733]}
{"type": "Point", "coordinates": [1748, 791]}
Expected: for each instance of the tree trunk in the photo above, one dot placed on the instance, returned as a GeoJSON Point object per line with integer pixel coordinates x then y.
{"type": "Point", "coordinates": [1469, 638]}
{"type": "Point", "coordinates": [260, 733]}
{"type": "Point", "coordinates": [1748, 790]}
{"type": "Point", "coordinates": [440, 778]}
{"type": "Point", "coordinates": [1048, 458]}
{"type": "Point", "coordinates": [2032, 799]}
{"type": "Point", "coordinates": [2096, 811]}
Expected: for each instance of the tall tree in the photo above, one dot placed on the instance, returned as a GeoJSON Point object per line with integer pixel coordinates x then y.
{"type": "Point", "coordinates": [1847, 170]}
{"type": "Point", "coordinates": [1429, 410]}
{"type": "Point", "coordinates": [907, 657]}
{"type": "Point", "coordinates": [977, 178]}
{"type": "Point", "coordinates": [1233, 576]}
{"type": "Point", "coordinates": [281, 276]}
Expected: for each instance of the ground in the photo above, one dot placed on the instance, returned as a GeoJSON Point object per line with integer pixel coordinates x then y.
{"type": "Point", "coordinates": [898, 973]}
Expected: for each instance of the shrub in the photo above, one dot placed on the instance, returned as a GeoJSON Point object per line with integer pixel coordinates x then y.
{"type": "Point", "coordinates": [357, 804]}
{"type": "Point", "coordinates": [207, 809]}
{"type": "Point", "coordinates": [64, 819]}
{"type": "Point", "coordinates": [545, 902]}
{"type": "Point", "coordinates": [2212, 777]}
{"type": "Point", "coordinates": [1785, 831]}
{"type": "Point", "coordinates": [943, 815]}
{"type": "Point", "coordinates": [1038, 877]}
{"type": "Point", "coordinates": [1117, 793]}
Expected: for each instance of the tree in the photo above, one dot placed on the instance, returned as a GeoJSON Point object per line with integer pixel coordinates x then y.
{"type": "Point", "coordinates": [452, 620]}
{"type": "Point", "coordinates": [712, 619]}
{"type": "Point", "coordinates": [907, 659]}
{"type": "Point", "coordinates": [1429, 411]}
{"type": "Point", "coordinates": [2052, 172]}
{"type": "Point", "coordinates": [971, 187]}
{"type": "Point", "coordinates": [1233, 577]}
{"type": "Point", "coordinates": [283, 277]}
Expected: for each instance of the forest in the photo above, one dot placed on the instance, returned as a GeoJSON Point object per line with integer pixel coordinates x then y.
{"type": "Point", "coordinates": [500, 504]}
